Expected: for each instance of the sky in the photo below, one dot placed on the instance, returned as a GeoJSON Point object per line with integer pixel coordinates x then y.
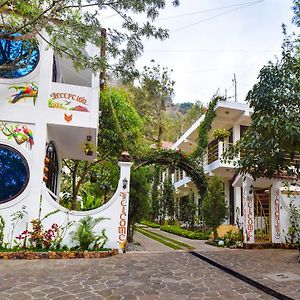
{"type": "Point", "coordinates": [211, 40]}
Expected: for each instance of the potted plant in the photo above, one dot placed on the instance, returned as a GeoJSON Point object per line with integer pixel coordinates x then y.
{"type": "Point", "coordinates": [221, 134]}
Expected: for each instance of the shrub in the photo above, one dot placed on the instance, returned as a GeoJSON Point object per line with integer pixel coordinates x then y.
{"type": "Point", "coordinates": [194, 235]}
{"type": "Point", "coordinates": [150, 224]}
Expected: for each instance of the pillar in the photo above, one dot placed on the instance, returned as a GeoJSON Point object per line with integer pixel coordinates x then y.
{"type": "Point", "coordinates": [248, 210]}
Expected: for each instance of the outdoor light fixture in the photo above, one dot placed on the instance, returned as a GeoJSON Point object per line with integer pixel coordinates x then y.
{"type": "Point", "coordinates": [88, 138]}
{"type": "Point", "coordinates": [125, 182]}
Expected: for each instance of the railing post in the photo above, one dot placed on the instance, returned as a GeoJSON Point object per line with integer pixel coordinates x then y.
{"type": "Point", "coordinates": [220, 149]}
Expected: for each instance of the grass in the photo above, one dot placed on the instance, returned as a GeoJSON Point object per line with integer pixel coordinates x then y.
{"type": "Point", "coordinates": [150, 224]}
{"type": "Point", "coordinates": [176, 245]}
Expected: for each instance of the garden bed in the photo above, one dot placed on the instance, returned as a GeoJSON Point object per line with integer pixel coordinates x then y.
{"type": "Point", "coordinates": [27, 254]}
{"type": "Point", "coordinates": [193, 235]}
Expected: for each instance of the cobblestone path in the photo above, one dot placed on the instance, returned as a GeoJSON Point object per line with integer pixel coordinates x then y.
{"type": "Point", "coordinates": [136, 275]}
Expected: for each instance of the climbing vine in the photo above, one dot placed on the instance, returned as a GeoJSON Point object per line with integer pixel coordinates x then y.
{"type": "Point", "coordinates": [205, 127]}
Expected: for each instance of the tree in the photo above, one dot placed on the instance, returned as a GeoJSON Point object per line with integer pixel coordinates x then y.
{"type": "Point", "coordinates": [167, 201]}
{"type": "Point", "coordinates": [272, 142]}
{"type": "Point", "coordinates": [139, 206]}
{"type": "Point", "coordinates": [119, 130]}
{"type": "Point", "coordinates": [188, 209]}
{"type": "Point", "coordinates": [214, 208]}
{"type": "Point", "coordinates": [72, 24]}
{"type": "Point", "coordinates": [151, 98]}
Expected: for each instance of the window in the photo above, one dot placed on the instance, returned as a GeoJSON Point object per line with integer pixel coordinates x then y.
{"type": "Point", "coordinates": [14, 173]}
{"type": "Point", "coordinates": [17, 58]}
{"type": "Point", "coordinates": [51, 155]}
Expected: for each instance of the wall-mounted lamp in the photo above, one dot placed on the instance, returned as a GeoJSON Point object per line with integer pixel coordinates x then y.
{"type": "Point", "coordinates": [125, 182]}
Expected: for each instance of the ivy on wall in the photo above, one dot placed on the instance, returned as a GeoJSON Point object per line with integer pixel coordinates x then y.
{"type": "Point", "coordinates": [205, 127]}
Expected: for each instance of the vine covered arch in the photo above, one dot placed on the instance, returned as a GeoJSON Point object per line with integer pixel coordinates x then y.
{"type": "Point", "coordinates": [176, 158]}
{"type": "Point", "coordinates": [191, 164]}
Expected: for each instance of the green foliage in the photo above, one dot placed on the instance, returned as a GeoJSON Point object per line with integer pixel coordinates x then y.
{"type": "Point", "coordinates": [85, 235]}
{"type": "Point", "coordinates": [2, 226]}
{"type": "Point", "coordinates": [187, 210]}
{"type": "Point", "coordinates": [119, 124]}
{"type": "Point", "coordinates": [89, 201]}
{"type": "Point", "coordinates": [151, 97]}
{"type": "Point", "coordinates": [149, 224]}
{"type": "Point", "coordinates": [72, 24]}
{"type": "Point", "coordinates": [179, 159]}
{"type": "Point", "coordinates": [233, 239]}
{"type": "Point", "coordinates": [272, 141]}
{"type": "Point", "coordinates": [167, 200]}
{"type": "Point", "coordinates": [139, 206]}
{"type": "Point", "coordinates": [293, 236]}
{"type": "Point", "coordinates": [221, 133]}
{"type": "Point", "coordinates": [214, 208]}
{"type": "Point", "coordinates": [205, 127]}
{"type": "Point", "coordinates": [194, 235]}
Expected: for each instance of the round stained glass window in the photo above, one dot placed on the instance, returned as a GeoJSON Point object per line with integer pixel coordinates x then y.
{"type": "Point", "coordinates": [17, 58]}
{"type": "Point", "coordinates": [14, 173]}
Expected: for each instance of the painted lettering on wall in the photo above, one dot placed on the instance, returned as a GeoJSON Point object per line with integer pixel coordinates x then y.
{"type": "Point", "coordinates": [250, 221]}
{"type": "Point", "coordinates": [277, 214]}
{"type": "Point", "coordinates": [122, 229]}
{"type": "Point", "coordinates": [68, 101]}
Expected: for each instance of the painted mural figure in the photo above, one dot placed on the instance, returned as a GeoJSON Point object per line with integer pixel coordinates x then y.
{"type": "Point", "coordinates": [29, 91]}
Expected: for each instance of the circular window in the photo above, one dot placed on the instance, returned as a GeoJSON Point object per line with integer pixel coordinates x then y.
{"type": "Point", "coordinates": [17, 58]}
{"type": "Point", "coordinates": [14, 173]}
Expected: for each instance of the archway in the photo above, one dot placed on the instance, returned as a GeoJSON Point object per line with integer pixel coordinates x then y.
{"type": "Point", "coordinates": [176, 158]}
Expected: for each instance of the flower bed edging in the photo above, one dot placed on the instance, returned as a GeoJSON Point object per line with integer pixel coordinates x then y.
{"type": "Point", "coordinates": [57, 255]}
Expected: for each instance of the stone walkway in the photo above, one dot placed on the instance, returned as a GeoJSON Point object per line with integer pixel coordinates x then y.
{"type": "Point", "coordinates": [150, 275]}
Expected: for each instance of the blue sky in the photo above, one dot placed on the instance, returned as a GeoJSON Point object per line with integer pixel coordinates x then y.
{"type": "Point", "coordinates": [210, 40]}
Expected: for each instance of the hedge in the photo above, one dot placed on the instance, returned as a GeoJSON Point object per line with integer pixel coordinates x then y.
{"type": "Point", "coordinates": [194, 235]}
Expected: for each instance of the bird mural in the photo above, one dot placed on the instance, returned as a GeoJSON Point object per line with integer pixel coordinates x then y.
{"type": "Point", "coordinates": [30, 91]}
{"type": "Point", "coordinates": [29, 134]}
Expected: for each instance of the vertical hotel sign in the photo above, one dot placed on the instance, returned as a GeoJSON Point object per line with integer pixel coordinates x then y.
{"type": "Point", "coordinates": [277, 214]}
{"type": "Point", "coordinates": [122, 228]}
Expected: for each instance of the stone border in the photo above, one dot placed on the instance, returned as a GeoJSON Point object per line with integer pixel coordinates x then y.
{"type": "Point", "coordinates": [57, 255]}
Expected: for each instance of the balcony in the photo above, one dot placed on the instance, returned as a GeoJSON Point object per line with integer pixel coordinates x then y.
{"type": "Point", "coordinates": [213, 158]}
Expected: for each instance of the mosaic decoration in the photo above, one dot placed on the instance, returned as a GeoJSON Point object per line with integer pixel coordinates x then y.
{"type": "Point", "coordinates": [29, 90]}
{"type": "Point", "coordinates": [68, 101]}
{"type": "Point", "coordinates": [20, 133]}
{"type": "Point", "coordinates": [20, 56]}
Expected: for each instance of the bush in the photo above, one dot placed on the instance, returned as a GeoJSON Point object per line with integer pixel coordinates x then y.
{"type": "Point", "coordinates": [194, 235]}
{"type": "Point", "coordinates": [231, 238]}
{"type": "Point", "coordinates": [150, 224]}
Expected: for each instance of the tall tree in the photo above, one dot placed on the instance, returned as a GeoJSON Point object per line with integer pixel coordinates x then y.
{"type": "Point", "coordinates": [139, 206]}
{"type": "Point", "coordinates": [119, 130]}
{"type": "Point", "coordinates": [271, 145]}
{"type": "Point", "coordinates": [72, 24]}
{"type": "Point", "coordinates": [167, 200]}
{"type": "Point", "coordinates": [152, 97]}
{"type": "Point", "coordinates": [214, 208]}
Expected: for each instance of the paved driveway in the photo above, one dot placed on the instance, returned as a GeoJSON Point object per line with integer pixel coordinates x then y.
{"type": "Point", "coordinates": [136, 275]}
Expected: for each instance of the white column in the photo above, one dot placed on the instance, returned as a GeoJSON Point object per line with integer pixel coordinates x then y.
{"type": "Point", "coordinates": [275, 214]}
{"type": "Point", "coordinates": [248, 210]}
{"type": "Point", "coordinates": [238, 206]}
{"type": "Point", "coordinates": [124, 183]}
{"type": "Point", "coordinates": [236, 133]}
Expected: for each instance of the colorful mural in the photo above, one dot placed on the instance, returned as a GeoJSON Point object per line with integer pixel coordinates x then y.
{"type": "Point", "coordinates": [20, 133]}
{"type": "Point", "coordinates": [68, 101]}
{"type": "Point", "coordinates": [28, 90]}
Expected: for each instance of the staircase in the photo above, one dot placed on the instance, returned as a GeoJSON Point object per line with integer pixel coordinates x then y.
{"type": "Point", "coordinates": [262, 215]}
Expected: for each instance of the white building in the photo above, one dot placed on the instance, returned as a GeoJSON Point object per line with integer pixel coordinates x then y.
{"type": "Point", "coordinates": [49, 111]}
{"type": "Point", "coordinates": [260, 207]}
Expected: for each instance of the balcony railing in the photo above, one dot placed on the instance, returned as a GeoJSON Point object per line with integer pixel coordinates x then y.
{"type": "Point", "coordinates": [216, 152]}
